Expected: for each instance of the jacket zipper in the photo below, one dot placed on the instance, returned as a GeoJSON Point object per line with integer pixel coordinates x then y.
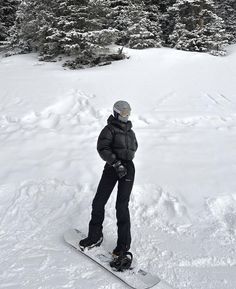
{"type": "Point", "coordinates": [126, 141]}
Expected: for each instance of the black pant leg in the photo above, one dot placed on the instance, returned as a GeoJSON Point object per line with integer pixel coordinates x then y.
{"type": "Point", "coordinates": [105, 187]}
{"type": "Point", "coordinates": [125, 186]}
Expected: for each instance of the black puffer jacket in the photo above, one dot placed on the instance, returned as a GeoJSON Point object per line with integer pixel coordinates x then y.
{"type": "Point", "coordinates": [117, 141]}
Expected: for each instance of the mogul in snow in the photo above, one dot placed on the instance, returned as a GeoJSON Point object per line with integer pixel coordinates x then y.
{"type": "Point", "coordinates": [116, 145]}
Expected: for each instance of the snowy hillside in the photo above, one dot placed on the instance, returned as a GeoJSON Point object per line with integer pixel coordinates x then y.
{"type": "Point", "coordinates": [183, 205]}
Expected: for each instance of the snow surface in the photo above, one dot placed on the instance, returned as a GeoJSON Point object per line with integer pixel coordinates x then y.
{"type": "Point", "coordinates": [183, 204]}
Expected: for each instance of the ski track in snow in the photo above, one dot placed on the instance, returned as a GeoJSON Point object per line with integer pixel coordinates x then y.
{"type": "Point", "coordinates": [187, 250]}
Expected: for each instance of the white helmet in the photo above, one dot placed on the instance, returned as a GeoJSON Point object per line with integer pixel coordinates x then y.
{"type": "Point", "coordinates": [121, 110]}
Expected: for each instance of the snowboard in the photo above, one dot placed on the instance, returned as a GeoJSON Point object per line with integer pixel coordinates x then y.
{"type": "Point", "coordinates": [135, 277]}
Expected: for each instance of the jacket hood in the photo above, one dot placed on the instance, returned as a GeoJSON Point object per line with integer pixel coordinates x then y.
{"type": "Point", "coordinates": [118, 123]}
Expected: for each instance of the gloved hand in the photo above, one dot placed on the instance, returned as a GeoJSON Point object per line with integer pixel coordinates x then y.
{"type": "Point", "coordinates": [120, 169]}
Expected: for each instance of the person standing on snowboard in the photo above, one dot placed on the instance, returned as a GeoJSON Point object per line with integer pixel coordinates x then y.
{"type": "Point", "coordinates": [116, 145]}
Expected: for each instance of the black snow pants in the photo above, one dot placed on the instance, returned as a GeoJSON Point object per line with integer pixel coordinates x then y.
{"type": "Point", "coordinates": [106, 185]}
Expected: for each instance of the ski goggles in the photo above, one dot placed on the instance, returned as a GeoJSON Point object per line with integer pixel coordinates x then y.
{"type": "Point", "coordinates": [125, 112]}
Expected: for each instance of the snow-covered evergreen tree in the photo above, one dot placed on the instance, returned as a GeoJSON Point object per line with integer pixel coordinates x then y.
{"type": "Point", "coordinates": [197, 27]}
{"type": "Point", "coordinates": [154, 17]}
{"type": "Point", "coordinates": [144, 30]}
{"type": "Point", "coordinates": [166, 22]}
{"type": "Point", "coordinates": [158, 10]}
{"type": "Point", "coordinates": [163, 5]}
{"type": "Point", "coordinates": [84, 29]}
{"type": "Point", "coordinates": [7, 17]}
{"type": "Point", "coordinates": [118, 14]}
{"type": "Point", "coordinates": [138, 24]}
{"type": "Point", "coordinates": [227, 10]}
{"type": "Point", "coordinates": [71, 27]}
{"type": "Point", "coordinates": [80, 30]}
{"type": "Point", "coordinates": [33, 21]}
{"type": "Point", "coordinates": [67, 33]}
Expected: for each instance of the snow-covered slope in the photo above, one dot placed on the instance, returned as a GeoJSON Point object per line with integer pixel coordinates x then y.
{"type": "Point", "coordinates": [183, 205]}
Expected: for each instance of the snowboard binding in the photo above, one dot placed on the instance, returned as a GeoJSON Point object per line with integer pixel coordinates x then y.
{"type": "Point", "coordinates": [122, 262]}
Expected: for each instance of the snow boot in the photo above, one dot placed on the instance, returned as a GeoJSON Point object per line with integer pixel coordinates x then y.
{"type": "Point", "coordinates": [119, 250]}
{"type": "Point", "coordinates": [90, 243]}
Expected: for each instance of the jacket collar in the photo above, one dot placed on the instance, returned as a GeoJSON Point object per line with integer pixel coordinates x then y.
{"type": "Point", "coordinates": [118, 123]}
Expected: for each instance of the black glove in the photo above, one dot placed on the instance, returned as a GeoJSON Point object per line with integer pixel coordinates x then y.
{"type": "Point", "coordinates": [120, 169]}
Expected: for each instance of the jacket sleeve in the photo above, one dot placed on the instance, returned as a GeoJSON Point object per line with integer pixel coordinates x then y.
{"type": "Point", "coordinates": [136, 142]}
{"type": "Point", "coordinates": [104, 146]}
